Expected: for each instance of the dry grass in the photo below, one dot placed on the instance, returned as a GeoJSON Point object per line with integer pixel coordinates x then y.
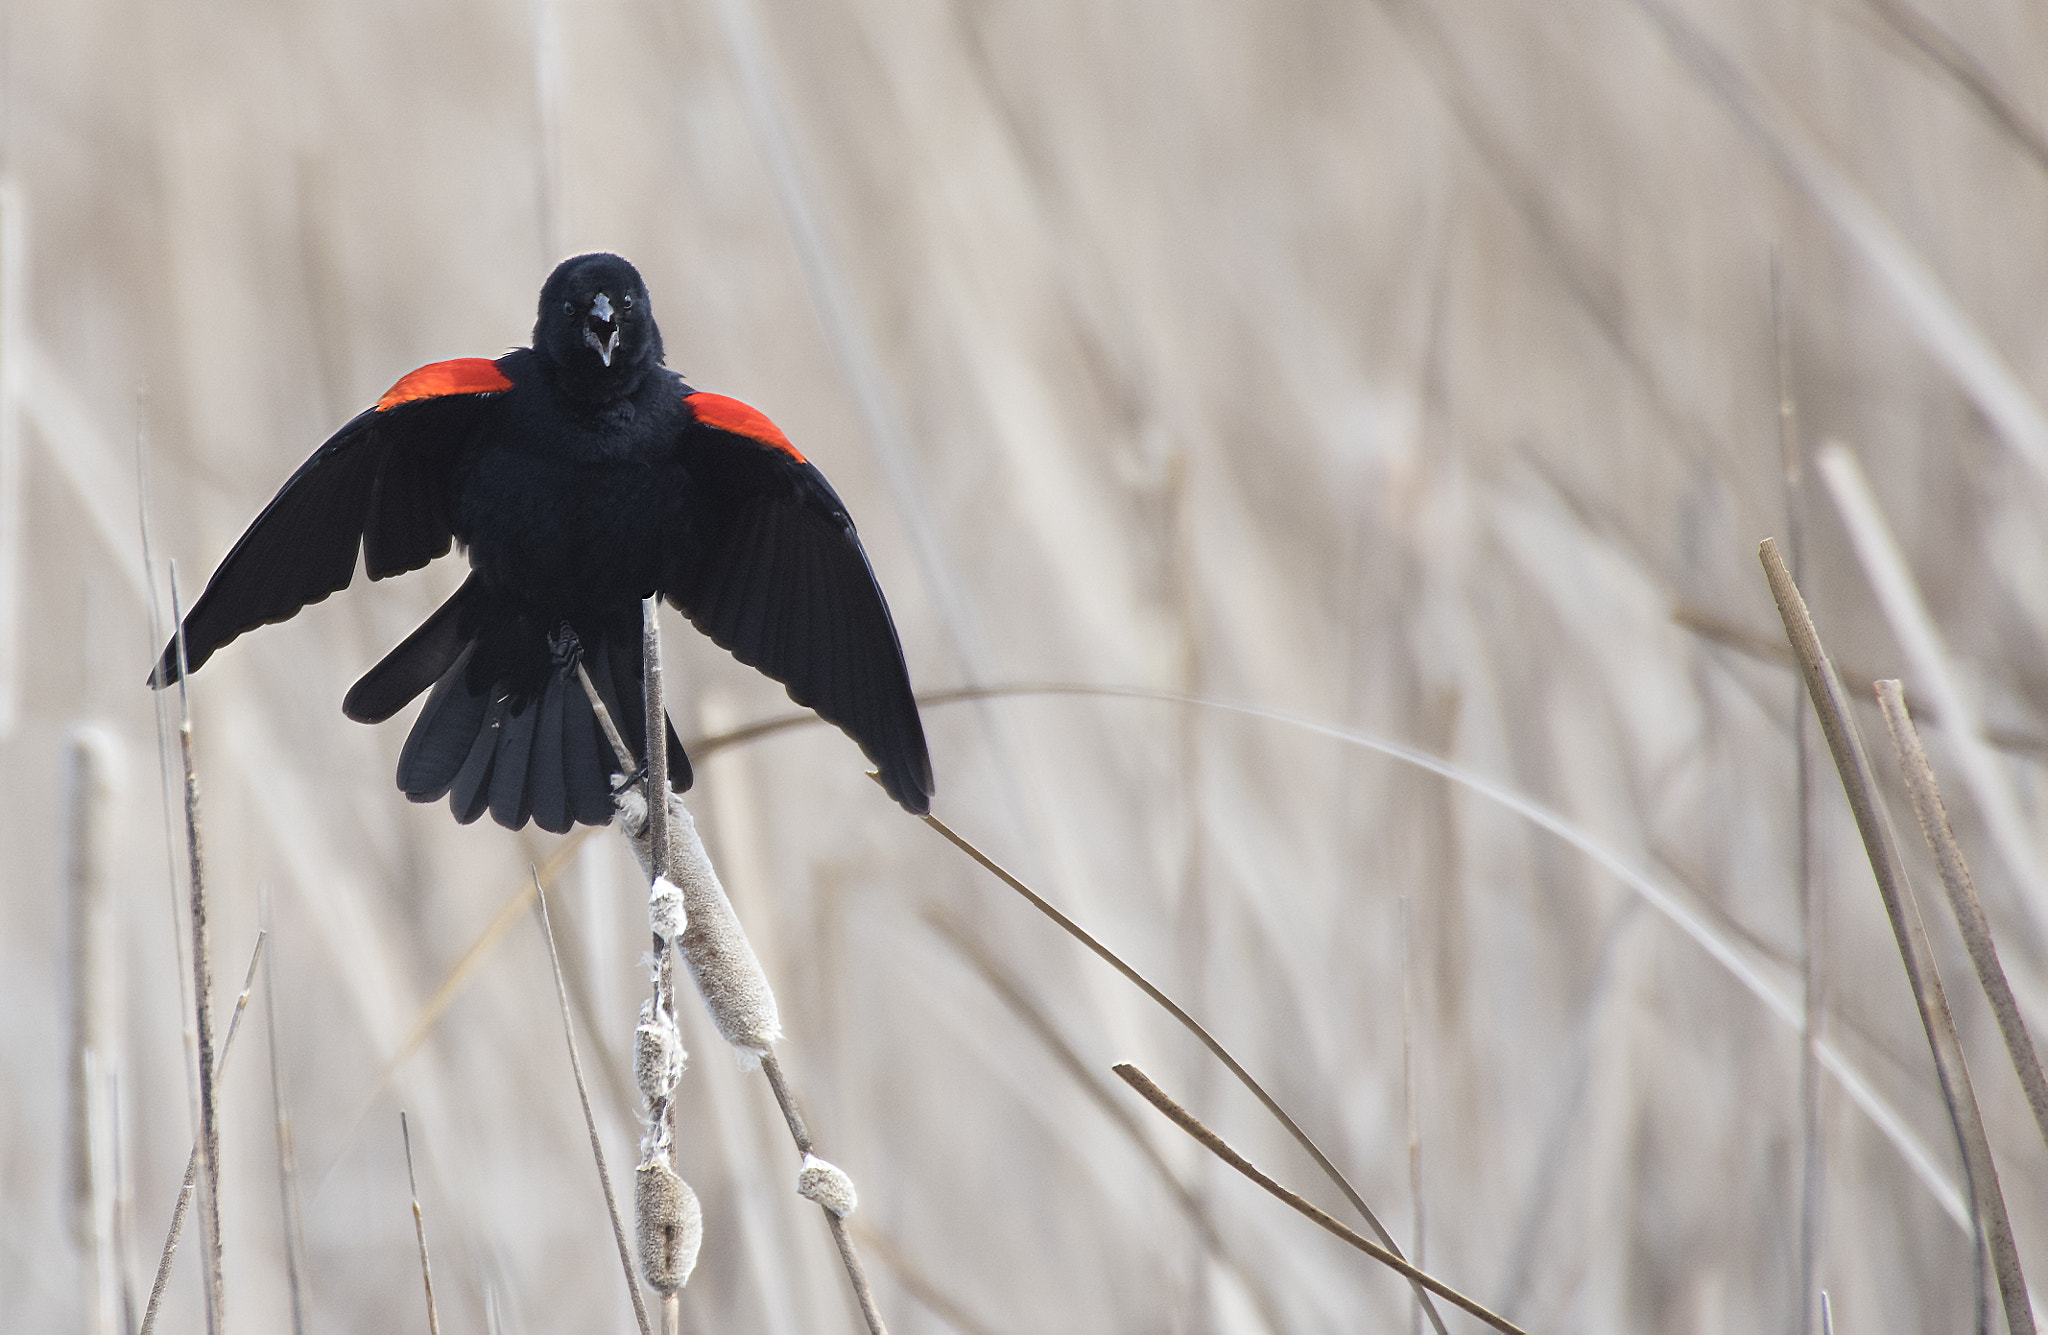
{"type": "Point", "coordinates": [1395, 367]}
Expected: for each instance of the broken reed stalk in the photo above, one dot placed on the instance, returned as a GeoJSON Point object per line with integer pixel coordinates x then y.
{"type": "Point", "coordinates": [604, 1176]}
{"type": "Point", "coordinates": [1217, 1146]}
{"type": "Point", "coordinates": [419, 1227]}
{"type": "Point", "coordinates": [191, 1182]}
{"type": "Point", "coordinates": [1830, 704]}
{"type": "Point", "coordinates": [1011, 991]}
{"type": "Point", "coordinates": [202, 998]}
{"type": "Point", "coordinates": [1962, 897]}
{"type": "Point", "coordinates": [1208, 1040]}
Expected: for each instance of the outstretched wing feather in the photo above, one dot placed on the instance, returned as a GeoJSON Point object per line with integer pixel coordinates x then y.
{"type": "Point", "coordinates": [785, 586]}
{"type": "Point", "coordinates": [379, 485]}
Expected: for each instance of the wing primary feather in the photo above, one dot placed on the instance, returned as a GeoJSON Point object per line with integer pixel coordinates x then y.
{"type": "Point", "coordinates": [418, 662]}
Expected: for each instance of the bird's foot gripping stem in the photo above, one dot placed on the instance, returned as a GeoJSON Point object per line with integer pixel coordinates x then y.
{"type": "Point", "coordinates": [565, 647]}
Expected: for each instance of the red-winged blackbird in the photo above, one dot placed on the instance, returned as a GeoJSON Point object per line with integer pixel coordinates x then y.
{"type": "Point", "coordinates": [581, 475]}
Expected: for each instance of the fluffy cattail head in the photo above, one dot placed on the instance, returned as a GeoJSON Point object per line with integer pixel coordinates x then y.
{"type": "Point", "coordinates": [828, 1185]}
{"type": "Point", "coordinates": [658, 1053]}
{"type": "Point", "coordinates": [671, 1225]}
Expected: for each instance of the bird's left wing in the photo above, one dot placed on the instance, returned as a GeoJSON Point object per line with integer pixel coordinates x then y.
{"type": "Point", "coordinates": [781, 580]}
{"type": "Point", "coordinates": [382, 484]}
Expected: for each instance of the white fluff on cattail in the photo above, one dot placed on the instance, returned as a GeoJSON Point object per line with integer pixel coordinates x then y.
{"type": "Point", "coordinates": [670, 1225]}
{"type": "Point", "coordinates": [658, 1053]}
{"type": "Point", "coordinates": [666, 914]}
{"type": "Point", "coordinates": [828, 1185]}
{"type": "Point", "coordinates": [728, 976]}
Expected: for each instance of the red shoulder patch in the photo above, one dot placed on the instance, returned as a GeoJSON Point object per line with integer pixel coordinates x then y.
{"type": "Point", "coordinates": [464, 375]}
{"type": "Point", "coordinates": [742, 420]}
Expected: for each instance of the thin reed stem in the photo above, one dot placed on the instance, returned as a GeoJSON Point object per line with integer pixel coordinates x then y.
{"type": "Point", "coordinates": [1012, 992]}
{"type": "Point", "coordinates": [1962, 897]}
{"type": "Point", "coordinates": [604, 1176]}
{"type": "Point", "coordinates": [1193, 1026]}
{"type": "Point", "coordinates": [419, 1227]}
{"type": "Point", "coordinates": [202, 998]}
{"type": "Point", "coordinates": [1216, 1145]}
{"type": "Point", "coordinates": [1830, 703]}
{"type": "Point", "coordinates": [1812, 972]}
{"type": "Point", "coordinates": [191, 1181]}
{"type": "Point", "coordinates": [1408, 1098]}
{"type": "Point", "coordinates": [287, 1153]}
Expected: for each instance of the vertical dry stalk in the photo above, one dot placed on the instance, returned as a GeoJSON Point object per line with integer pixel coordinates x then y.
{"type": "Point", "coordinates": [202, 996]}
{"type": "Point", "coordinates": [186, 1190]}
{"type": "Point", "coordinates": [13, 326]}
{"type": "Point", "coordinates": [1962, 897]}
{"type": "Point", "coordinates": [1408, 1097]}
{"type": "Point", "coordinates": [604, 1176]}
{"type": "Point", "coordinates": [419, 1227]}
{"type": "Point", "coordinates": [95, 1008]}
{"type": "Point", "coordinates": [662, 1200]}
{"type": "Point", "coordinates": [287, 1152]}
{"type": "Point", "coordinates": [1812, 923]}
{"type": "Point", "coordinates": [1830, 703]}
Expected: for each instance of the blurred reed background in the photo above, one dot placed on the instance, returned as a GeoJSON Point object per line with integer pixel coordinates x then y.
{"type": "Point", "coordinates": [1408, 367]}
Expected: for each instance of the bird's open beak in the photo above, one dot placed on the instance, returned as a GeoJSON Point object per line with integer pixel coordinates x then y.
{"type": "Point", "coordinates": [601, 330]}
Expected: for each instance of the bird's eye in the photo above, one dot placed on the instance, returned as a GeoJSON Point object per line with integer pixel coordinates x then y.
{"type": "Point", "coordinates": [626, 302]}
{"type": "Point", "coordinates": [568, 308]}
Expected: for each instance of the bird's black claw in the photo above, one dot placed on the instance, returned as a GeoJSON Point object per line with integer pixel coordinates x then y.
{"type": "Point", "coordinates": [565, 647]}
{"type": "Point", "coordinates": [621, 782]}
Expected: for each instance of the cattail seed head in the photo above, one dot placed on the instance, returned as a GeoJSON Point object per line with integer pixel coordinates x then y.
{"type": "Point", "coordinates": [658, 1053]}
{"type": "Point", "coordinates": [828, 1185]}
{"type": "Point", "coordinates": [671, 1225]}
{"type": "Point", "coordinates": [729, 977]}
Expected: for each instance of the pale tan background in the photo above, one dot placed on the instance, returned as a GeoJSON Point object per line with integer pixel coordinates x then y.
{"type": "Point", "coordinates": [1407, 366]}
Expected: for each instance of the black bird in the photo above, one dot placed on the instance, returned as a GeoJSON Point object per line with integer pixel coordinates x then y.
{"type": "Point", "coordinates": [582, 476]}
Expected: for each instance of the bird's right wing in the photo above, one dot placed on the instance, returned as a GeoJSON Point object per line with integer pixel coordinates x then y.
{"type": "Point", "coordinates": [781, 580]}
{"type": "Point", "coordinates": [382, 484]}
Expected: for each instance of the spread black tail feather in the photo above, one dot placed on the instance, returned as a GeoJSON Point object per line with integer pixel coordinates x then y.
{"type": "Point", "coordinates": [505, 729]}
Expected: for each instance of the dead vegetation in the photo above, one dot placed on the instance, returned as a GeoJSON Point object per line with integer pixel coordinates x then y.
{"type": "Point", "coordinates": [1385, 399]}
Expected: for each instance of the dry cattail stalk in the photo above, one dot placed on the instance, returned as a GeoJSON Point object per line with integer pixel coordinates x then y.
{"type": "Point", "coordinates": [604, 1176]}
{"type": "Point", "coordinates": [1962, 898]}
{"type": "Point", "coordinates": [419, 1228]}
{"type": "Point", "coordinates": [95, 1008]}
{"type": "Point", "coordinates": [1217, 1146]}
{"type": "Point", "coordinates": [1873, 823]}
{"type": "Point", "coordinates": [202, 998]}
{"type": "Point", "coordinates": [186, 1191]}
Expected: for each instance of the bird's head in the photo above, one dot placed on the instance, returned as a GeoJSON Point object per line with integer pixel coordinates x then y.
{"type": "Point", "coordinates": [596, 326]}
